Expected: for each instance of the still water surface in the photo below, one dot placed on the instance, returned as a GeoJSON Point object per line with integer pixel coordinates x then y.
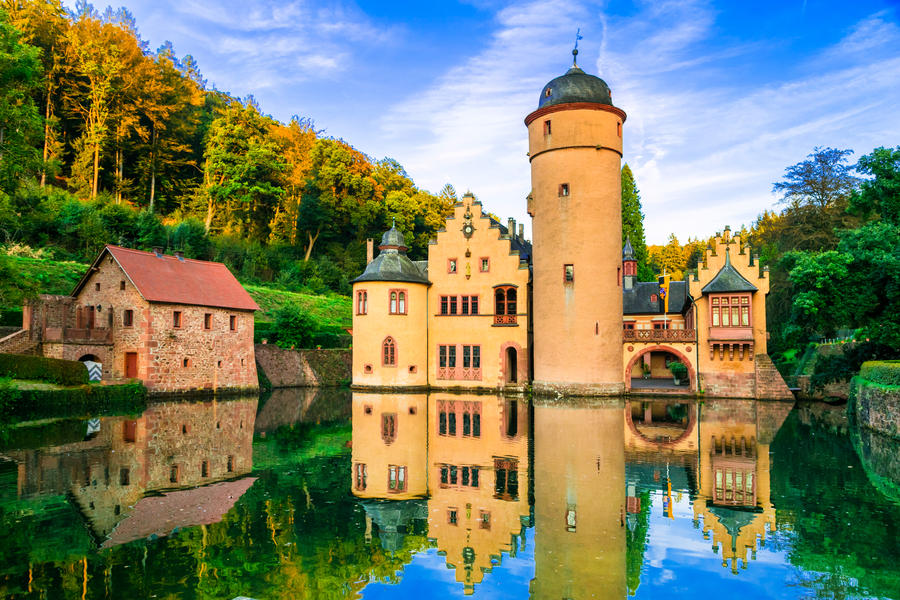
{"type": "Point", "coordinates": [314, 494]}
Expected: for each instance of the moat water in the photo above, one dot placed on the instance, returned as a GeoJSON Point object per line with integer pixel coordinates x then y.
{"type": "Point", "coordinates": [324, 494]}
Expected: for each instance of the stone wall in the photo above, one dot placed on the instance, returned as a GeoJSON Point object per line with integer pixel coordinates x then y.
{"type": "Point", "coordinates": [304, 368]}
{"type": "Point", "coordinates": [728, 385]}
{"type": "Point", "coordinates": [877, 406]}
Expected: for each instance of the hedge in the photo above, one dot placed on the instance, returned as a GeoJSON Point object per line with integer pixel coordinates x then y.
{"type": "Point", "coordinates": [40, 368]}
{"type": "Point", "coordinates": [82, 401]}
{"type": "Point", "coordinates": [885, 372]}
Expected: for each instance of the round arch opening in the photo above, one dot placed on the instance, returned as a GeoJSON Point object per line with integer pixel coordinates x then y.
{"type": "Point", "coordinates": [659, 374]}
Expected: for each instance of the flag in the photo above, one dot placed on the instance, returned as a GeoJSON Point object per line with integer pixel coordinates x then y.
{"type": "Point", "coordinates": [664, 291]}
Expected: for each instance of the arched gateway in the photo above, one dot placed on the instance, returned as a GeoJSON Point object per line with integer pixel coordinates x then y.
{"type": "Point", "coordinates": [634, 367]}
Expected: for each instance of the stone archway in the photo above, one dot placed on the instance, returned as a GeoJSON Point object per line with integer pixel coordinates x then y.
{"type": "Point", "coordinates": [513, 364]}
{"type": "Point", "coordinates": [692, 374]}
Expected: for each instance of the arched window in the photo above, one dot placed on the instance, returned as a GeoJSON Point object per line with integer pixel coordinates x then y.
{"type": "Point", "coordinates": [402, 305]}
{"type": "Point", "coordinates": [389, 352]}
{"type": "Point", "coordinates": [393, 303]}
{"type": "Point", "coordinates": [398, 302]}
{"type": "Point", "coordinates": [362, 302]}
{"type": "Point", "coordinates": [505, 305]}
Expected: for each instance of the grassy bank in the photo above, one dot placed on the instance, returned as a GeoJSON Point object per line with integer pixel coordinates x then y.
{"type": "Point", "coordinates": [30, 401]}
{"type": "Point", "coordinates": [31, 276]}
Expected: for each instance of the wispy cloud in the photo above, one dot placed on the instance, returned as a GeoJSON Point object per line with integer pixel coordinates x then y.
{"type": "Point", "coordinates": [705, 140]}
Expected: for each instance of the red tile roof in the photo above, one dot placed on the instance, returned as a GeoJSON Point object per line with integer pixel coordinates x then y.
{"type": "Point", "coordinates": [175, 281]}
{"type": "Point", "coordinates": [160, 515]}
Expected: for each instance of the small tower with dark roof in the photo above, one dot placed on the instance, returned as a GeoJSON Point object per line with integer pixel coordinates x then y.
{"type": "Point", "coordinates": [390, 306]}
{"type": "Point", "coordinates": [575, 150]}
{"type": "Point", "coordinates": [629, 265]}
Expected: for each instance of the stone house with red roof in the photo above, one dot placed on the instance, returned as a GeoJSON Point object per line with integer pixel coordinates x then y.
{"type": "Point", "coordinates": [175, 323]}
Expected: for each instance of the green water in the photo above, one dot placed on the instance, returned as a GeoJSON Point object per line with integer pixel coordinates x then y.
{"type": "Point", "coordinates": [456, 494]}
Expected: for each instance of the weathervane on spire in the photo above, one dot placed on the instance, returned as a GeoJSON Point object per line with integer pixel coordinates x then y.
{"type": "Point", "coordinates": [578, 36]}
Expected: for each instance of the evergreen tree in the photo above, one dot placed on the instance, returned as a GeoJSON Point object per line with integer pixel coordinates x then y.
{"type": "Point", "coordinates": [633, 223]}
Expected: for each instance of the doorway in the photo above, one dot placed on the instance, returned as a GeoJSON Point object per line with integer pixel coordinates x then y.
{"type": "Point", "coordinates": [131, 368]}
{"type": "Point", "coordinates": [512, 365]}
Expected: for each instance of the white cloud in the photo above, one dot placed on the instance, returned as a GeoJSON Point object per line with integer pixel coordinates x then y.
{"type": "Point", "coordinates": [705, 141]}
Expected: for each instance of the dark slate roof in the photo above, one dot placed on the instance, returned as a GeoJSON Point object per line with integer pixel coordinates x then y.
{"type": "Point", "coordinates": [637, 300]}
{"type": "Point", "coordinates": [394, 517]}
{"type": "Point", "coordinates": [392, 264]}
{"type": "Point", "coordinates": [523, 246]}
{"type": "Point", "coordinates": [628, 250]}
{"type": "Point", "coordinates": [575, 86]}
{"type": "Point", "coordinates": [728, 280]}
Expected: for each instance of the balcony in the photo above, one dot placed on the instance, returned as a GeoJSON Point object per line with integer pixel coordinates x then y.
{"type": "Point", "coordinates": [505, 320]}
{"type": "Point", "coordinates": [730, 334]}
{"type": "Point", "coordinates": [659, 335]}
{"type": "Point", "coordinates": [69, 335]}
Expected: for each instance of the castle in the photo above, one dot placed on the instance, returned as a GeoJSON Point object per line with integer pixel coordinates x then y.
{"type": "Point", "coordinates": [490, 310]}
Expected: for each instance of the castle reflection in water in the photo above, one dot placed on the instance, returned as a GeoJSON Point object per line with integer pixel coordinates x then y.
{"type": "Point", "coordinates": [586, 478]}
{"type": "Point", "coordinates": [474, 471]}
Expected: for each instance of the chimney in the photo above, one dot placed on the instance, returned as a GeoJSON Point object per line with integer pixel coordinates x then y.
{"type": "Point", "coordinates": [158, 251]}
{"type": "Point", "coordinates": [179, 254]}
{"type": "Point", "coordinates": [522, 232]}
{"type": "Point", "coordinates": [511, 227]}
{"type": "Point", "coordinates": [370, 250]}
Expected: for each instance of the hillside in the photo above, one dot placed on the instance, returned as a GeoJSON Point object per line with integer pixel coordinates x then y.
{"type": "Point", "coordinates": [26, 276]}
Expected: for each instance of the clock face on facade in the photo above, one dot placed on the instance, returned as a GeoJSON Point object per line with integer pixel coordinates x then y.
{"type": "Point", "coordinates": [468, 230]}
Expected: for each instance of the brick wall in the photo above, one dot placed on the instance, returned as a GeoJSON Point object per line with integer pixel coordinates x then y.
{"type": "Point", "coordinates": [729, 385]}
{"type": "Point", "coordinates": [302, 368]}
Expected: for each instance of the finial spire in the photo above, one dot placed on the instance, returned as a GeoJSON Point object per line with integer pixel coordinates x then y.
{"type": "Point", "coordinates": [575, 49]}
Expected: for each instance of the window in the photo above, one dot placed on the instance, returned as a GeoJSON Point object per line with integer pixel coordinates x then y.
{"type": "Point", "coordinates": [628, 326]}
{"type": "Point", "coordinates": [451, 516]}
{"type": "Point", "coordinates": [730, 311]}
{"type": "Point", "coordinates": [563, 190]}
{"type": "Point", "coordinates": [469, 305]}
{"type": "Point", "coordinates": [122, 285]}
{"type": "Point", "coordinates": [662, 325]}
{"type": "Point", "coordinates": [398, 302]}
{"type": "Point", "coordinates": [473, 305]}
{"type": "Point", "coordinates": [505, 305]}
{"type": "Point", "coordinates": [453, 304]}
{"type": "Point", "coordinates": [485, 519]}
{"type": "Point", "coordinates": [388, 427]}
{"type": "Point", "coordinates": [124, 477]}
{"type": "Point", "coordinates": [396, 478]}
{"type": "Point", "coordinates": [465, 305]}
{"type": "Point", "coordinates": [485, 265]}
{"type": "Point", "coordinates": [176, 319]}
{"type": "Point", "coordinates": [230, 464]}
{"type": "Point", "coordinates": [207, 321]}
{"type": "Point", "coordinates": [568, 273]}
{"type": "Point", "coordinates": [173, 474]}
{"type": "Point", "coordinates": [97, 286]}
{"type": "Point", "coordinates": [547, 128]}
{"type": "Point", "coordinates": [506, 482]}
{"type": "Point", "coordinates": [128, 318]}
{"type": "Point", "coordinates": [619, 129]}
{"type": "Point", "coordinates": [361, 473]}
{"type": "Point", "coordinates": [362, 302]}
{"type": "Point", "coordinates": [451, 265]}
{"type": "Point", "coordinates": [389, 353]}
{"type": "Point", "coordinates": [186, 362]}
{"type": "Point", "coordinates": [445, 305]}
{"type": "Point", "coordinates": [204, 468]}
{"type": "Point", "coordinates": [472, 357]}
{"type": "Point", "coordinates": [232, 322]}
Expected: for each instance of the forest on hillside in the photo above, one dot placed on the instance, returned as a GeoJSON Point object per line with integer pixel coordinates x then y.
{"type": "Point", "coordinates": [103, 140]}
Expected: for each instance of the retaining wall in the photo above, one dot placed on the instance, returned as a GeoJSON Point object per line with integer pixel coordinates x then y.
{"type": "Point", "coordinates": [304, 368]}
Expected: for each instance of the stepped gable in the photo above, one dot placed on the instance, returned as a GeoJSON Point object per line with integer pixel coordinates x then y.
{"type": "Point", "coordinates": [728, 279]}
{"type": "Point", "coordinates": [174, 280]}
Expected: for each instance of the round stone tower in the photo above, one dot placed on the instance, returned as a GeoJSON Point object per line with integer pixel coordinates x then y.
{"type": "Point", "coordinates": [575, 149]}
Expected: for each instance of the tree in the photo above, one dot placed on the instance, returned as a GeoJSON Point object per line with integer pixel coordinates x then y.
{"type": "Point", "coordinates": [296, 140]}
{"type": "Point", "coordinates": [20, 124]}
{"type": "Point", "coordinates": [881, 194]}
{"type": "Point", "coordinates": [295, 327]}
{"type": "Point", "coordinates": [243, 171]}
{"type": "Point", "coordinates": [816, 193]}
{"type": "Point", "coordinates": [633, 223]}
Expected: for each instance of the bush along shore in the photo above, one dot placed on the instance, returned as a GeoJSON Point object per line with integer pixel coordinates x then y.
{"type": "Point", "coordinates": [36, 387]}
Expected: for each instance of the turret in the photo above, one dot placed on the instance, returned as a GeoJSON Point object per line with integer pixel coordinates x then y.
{"type": "Point", "coordinates": [629, 265]}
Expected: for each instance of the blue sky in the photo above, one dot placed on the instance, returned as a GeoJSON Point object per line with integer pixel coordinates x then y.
{"type": "Point", "coordinates": [720, 97]}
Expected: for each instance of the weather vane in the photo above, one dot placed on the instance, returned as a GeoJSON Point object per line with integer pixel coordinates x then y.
{"type": "Point", "coordinates": [578, 36]}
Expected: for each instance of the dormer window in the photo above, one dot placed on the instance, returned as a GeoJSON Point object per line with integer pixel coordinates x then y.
{"type": "Point", "coordinates": [548, 92]}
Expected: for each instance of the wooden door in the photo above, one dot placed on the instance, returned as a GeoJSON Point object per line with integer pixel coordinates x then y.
{"type": "Point", "coordinates": [131, 370]}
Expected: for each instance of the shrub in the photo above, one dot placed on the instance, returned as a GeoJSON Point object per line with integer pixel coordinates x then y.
{"type": "Point", "coordinates": [40, 368]}
{"type": "Point", "coordinates": [81, 401]}
{"type": "Point", "coordinates": [678, 370]}
{"type": "Point", "coordinates": [294, 327]}
{"type": "Point", "coordinates": [885, 372]}
{"type": "Point", "coordinates": [11, 317]}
